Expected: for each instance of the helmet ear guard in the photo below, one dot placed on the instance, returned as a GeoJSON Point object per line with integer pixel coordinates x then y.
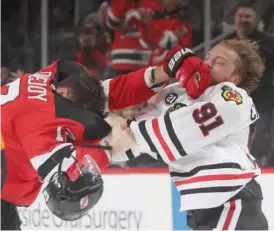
{"type": "Point", "coordinates": [71, 195]}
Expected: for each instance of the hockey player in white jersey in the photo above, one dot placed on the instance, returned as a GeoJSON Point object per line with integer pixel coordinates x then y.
{"type": "Point", "coordinates": [204, 136]}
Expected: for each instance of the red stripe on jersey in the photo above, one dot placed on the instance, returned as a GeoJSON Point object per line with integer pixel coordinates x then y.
{"type": "Point", "coordinates": [156, 129]}
{"type": "Point", "coordinates": [229, 215]}
{"type": "Point", "coordinates": [215, 177]}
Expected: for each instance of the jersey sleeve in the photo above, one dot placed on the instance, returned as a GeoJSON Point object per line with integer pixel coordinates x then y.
{"type": "Point", "coordinates": [115, 13]}
{"type": "Point", "coordinates": [189, 130]}
{"type": "Point", "coordinates": [155, 36]}
{"type": "Point", "coordinates": [181, 34]}
{"type": "Point", "coordinates": [130, 89]}
{"type": "Point", "coordinates": [50, 141]}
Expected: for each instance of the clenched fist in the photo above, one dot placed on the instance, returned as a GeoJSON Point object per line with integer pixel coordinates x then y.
{"type": "Point", "coordinates": [121, 138]}
{"type": "Point", "coordinates": [191, 72]}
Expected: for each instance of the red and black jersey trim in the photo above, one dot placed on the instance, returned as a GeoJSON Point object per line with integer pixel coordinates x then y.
{"type": "Point", "coordinates": [143, 130]}
{"type": "Point", "coordinates": [172, 135]}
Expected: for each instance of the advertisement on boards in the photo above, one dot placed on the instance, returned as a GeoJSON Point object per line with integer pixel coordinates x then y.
{"type": "Point", "coordinates": [267, 183]}
{"type": "Point", "coordinates": [133, 201]}
{"type": "Point", "coordinates": [129, 202]}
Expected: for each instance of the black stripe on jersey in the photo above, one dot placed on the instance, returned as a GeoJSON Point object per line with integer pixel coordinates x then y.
{"type": "Point", "coordinates": [172, 135]}
{"type": "Point", "coordinates": [251, 135]}
{"type": "Point", "coordinates": [210, 190]}
{"type": "Point", "coordinates": [157, 85]}
{"type": "Point", "coordinates": [129, 154]}
{"type": "Point", "coordinates": [129, 56]}
{"type": "Point", "coordinates": [143, 130]}
{"type": "Point", "coordinates": [56, 158]}
{"type": "Point", "coordinates": [205, 167]}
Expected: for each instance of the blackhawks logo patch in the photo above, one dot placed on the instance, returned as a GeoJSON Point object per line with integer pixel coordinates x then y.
{"type": "Point", "coordinates": [231, 95]}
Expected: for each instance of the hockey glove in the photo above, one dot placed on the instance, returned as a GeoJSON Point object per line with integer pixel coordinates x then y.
{"type": "Point", "coordinates": [191, 72]}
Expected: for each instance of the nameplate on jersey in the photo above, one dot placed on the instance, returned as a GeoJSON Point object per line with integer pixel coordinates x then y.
{"type": "Point", "coordinates": [171, 98]}
{"type": "Point", "coordinates": [230, 94]}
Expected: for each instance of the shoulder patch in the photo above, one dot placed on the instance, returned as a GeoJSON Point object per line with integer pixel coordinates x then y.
{"type": "Point", "coordinates": [176, 107]}
{"type": "Point", "coordinates": [171, 98]}
{"type": "Point", "coordinates": [230, 94]}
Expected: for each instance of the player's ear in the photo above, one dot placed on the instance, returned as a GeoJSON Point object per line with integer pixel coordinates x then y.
{"type": "Point", "coordinates": [63, 91]}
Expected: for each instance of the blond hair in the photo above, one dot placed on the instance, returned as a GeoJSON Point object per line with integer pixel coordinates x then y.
{"type": "Point", "coordinates": [250, 67]}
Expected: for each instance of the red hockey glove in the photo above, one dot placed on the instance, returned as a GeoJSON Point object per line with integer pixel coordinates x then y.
{"type": "Point", "coordinates": [188, 69]}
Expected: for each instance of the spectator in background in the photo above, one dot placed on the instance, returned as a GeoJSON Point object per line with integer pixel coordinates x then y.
{"type": "Point", "coordinates": [94, 44]}
{"type": "Point", "coordinates": [143, 31]}
{"type": "Point", "coordinates": [231, 6]}
{"type": "Point", "coordinates": [88, 44]}
{"type": "Point", "coordinates": [246, 22]}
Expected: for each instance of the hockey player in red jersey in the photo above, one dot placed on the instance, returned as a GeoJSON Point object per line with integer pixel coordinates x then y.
{"type": "Point", "coordinates": [138, 44]}
{"type": "Point", "coordinates": [53, 127]}
{"type": "Point", "coordinates": [205, 138]}
{"type": "Point", "coordinates": [52, 117]}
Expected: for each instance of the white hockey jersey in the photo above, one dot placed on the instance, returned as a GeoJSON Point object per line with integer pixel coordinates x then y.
{"type": "Point", "coordinates": [204, 141]}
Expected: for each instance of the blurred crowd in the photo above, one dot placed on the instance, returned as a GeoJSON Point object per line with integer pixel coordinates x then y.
{"type": "Point", "coordinates": [119, 36]}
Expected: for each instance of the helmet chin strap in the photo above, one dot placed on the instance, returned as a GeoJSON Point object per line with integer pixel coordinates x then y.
{"type": "Point", "coordinates": [104, 147]}
{"type": "Point", "coordinates": [68, 155]}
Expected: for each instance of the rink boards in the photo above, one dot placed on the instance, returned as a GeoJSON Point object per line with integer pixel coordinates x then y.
{"type": "Point", "coordinates": [133, 200]}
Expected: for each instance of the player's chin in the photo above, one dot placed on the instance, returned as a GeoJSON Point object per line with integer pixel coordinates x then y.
{"type": "Point", "coordinates": [214, 80]}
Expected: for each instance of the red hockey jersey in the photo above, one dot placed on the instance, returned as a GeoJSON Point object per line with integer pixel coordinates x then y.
{"type": "Point", "coordinates": [35, 127]}
{"type": "Point", "coordinates": [167, 29]}
{"type": "Point", "coordinates": [128, 49]}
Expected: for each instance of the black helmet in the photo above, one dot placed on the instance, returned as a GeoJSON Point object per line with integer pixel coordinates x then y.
{"type": "Point", "coordinates": [71, 196]}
